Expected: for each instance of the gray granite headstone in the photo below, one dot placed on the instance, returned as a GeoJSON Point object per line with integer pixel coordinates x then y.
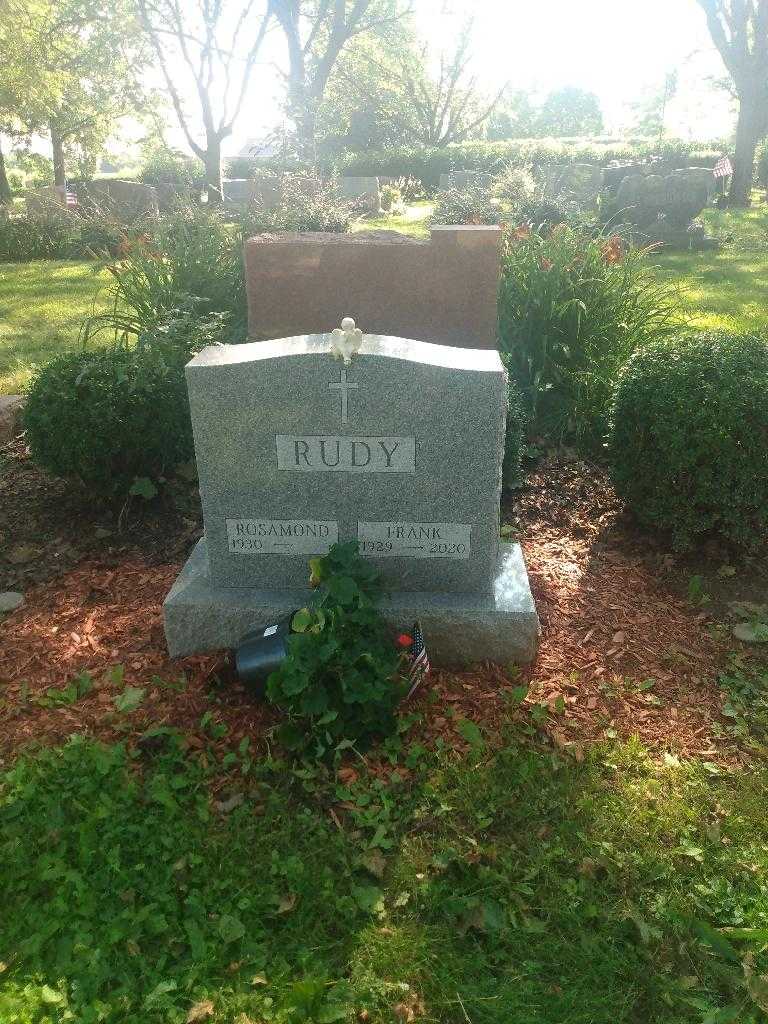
{"type": "Point", "coordinates": [362, 192]}
{"type": "Point", "coordinates": [463, 180]}
{"type": "Point", "coordinates": [46, 201]}
{"type": "Point", "coordinates": [400, 451]}
{"type": "Point", "coordinates": [124, 200]}
{"type": "Point", "coordinates": [237, 191]}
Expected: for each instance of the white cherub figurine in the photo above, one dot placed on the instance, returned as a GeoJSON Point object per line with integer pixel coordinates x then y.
{"type": "Point", "coordinates": [346, 340]}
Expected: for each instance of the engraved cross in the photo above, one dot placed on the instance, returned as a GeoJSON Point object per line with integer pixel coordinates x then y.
{"type": "Point", "coordinates": [343, 386]}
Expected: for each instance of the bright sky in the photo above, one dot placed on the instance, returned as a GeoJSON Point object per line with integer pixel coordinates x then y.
{"type": "Point", "coordinates": [615, 48]}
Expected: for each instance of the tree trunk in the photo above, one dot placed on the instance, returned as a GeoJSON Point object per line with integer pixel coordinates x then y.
{"type": "Point", "coordinates": [57, 144]}
{"type": "Point", "coordinates": [306, 124]}
{"type": "Point", "coordinates": [302, 111]}
{"type": "Point", "coordinates": [213, 171]}
{"type": "Point", "coordinates": [749, 130]}
{"type": "Point", "coordinates": [5, 188]}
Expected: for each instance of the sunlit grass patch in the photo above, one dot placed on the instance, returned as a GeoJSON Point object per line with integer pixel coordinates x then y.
{"type": "Point", "coordinates": [726, 288]}
{"type": "Point", "coordinates": [42, 305]}
{"type": "Point", "coordinates": [412, 222]}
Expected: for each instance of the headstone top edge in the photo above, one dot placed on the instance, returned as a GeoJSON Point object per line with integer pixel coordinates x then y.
{"type": "Point", "coordinates": [439, 233]}
{"type": "Point", "coordinates": [381, 236]}
{"type": "Point", "coordinates": [384, 346]}
{"type": "Point", "coordinates": [490, 230]}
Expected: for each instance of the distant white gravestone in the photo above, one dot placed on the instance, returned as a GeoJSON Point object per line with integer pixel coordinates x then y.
{"type": "Point", "coordinates": [398, 448]}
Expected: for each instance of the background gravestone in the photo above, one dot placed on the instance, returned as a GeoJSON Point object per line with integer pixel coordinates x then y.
{"type": "Point", "coordinates": [265, 193]}
{"type": "Point", "coordinates": [664, 208]}
{"type": "Point", "coordinates": [362, 193]}
{"type": "Point", "coordinates": [126, 201]}
{"type": "Point", "coordinates": [462, 180]}
{"type": "Point", "coordinates": [581, 183]}
{"type": "Point", "coordinates": [237, 191]}
{"type": "Point", "coordinates": [443, 290]}
{"type": "Point", "coordinates": [50, 199]}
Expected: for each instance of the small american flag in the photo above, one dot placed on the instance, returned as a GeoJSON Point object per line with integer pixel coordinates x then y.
{"type": "Point", "coordinates": [723, 168]}
{"type": "Point", "coordinates": [419, 659]}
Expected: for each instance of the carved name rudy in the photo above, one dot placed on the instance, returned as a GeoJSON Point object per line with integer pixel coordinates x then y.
{"type": "Point", "coordinates": [330, 453]}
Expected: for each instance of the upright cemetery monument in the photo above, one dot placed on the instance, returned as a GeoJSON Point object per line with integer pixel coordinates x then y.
{"type": "Point", "coordinates": [303, 441]}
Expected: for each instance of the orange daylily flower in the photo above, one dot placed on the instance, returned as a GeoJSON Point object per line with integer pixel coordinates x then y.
{"type": "Point", "coordinates": [613, 250]}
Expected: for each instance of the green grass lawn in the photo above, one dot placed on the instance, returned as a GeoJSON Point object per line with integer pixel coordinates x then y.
{"type": "Point", "coordinates": [727, 288]}
{"type": "Point", "coordinates": [41, 308]}
{"type": "Point", "coordinates": [412, 222]}
{"type": "Point", "coordinates": [504, 886]}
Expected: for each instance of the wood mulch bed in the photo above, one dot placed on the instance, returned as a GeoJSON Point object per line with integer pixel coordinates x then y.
{"type": "Point", "coordinates": [623, 651]}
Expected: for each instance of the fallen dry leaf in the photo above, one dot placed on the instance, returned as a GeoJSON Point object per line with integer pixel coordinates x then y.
{"type": "Point", "coordinates": [375, 862]}
{"type": "Point", "coordinates": [287, 903]}
{"type": "Point", "coordinates": [20, 554]}
{"type": "Point", "coordinates": [225, 806]}
{"type": "Point", "coordinates": [200, 1011]}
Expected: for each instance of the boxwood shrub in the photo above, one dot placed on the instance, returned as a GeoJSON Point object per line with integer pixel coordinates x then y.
{"type": "Point", "coordinates": [109, 417]}
{"type": "Point", "coordinates": [689, 438]}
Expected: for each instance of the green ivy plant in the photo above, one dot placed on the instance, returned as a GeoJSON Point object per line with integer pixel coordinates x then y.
{"type": "Point", "coordinates": [341, 681]}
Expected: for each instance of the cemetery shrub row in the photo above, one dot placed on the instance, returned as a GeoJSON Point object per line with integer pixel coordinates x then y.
{"type": "Point", "coordinates": [689, 441]}
{"type": "Point", "coordinates": [573, 307]}
{"type": "Point", "coordinates": [428, 163]}
{"type": "Point", "coordinates": [57, 237]}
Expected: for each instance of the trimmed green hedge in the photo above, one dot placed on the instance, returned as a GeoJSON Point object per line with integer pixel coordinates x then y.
{"type": "Point", "coordinates": [108, 418]}
{"type": "Point", "coordinates": [689, 440]}
{"type": "Point", "coordinates": [428, 164]}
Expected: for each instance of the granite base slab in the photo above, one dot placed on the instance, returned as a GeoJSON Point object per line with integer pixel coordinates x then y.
{"type": "Point", "coordinates": [460, 629]}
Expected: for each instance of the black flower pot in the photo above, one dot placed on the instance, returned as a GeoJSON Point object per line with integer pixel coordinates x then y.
{"type": "Point", "coordinates": [260, 652]}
